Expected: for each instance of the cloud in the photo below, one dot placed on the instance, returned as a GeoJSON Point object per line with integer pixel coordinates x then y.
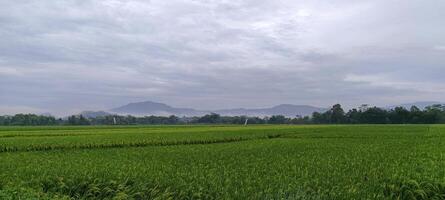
{"type": "Point", "coordinates": [440, 48]}
{"type": "Point", "coordinates": [11, 110]}
{"type": "Point", "coordinates": [67, 56]}
{"type": "Point", "coordinates": [383, 80]}
{"type": "Point", "coordinates": [9, 71]}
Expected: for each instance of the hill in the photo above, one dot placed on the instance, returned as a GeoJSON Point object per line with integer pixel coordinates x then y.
{"type": "Point", "coordinates": [161, 109]}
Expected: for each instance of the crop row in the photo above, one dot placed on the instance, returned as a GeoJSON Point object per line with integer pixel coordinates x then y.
{"type": "Point", "coordinates": [142, 143]}
{"type": "Point", "coordinates": [319, 162]}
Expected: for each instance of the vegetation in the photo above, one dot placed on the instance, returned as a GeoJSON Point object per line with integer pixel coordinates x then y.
{"type": "Point", "coordinates": [373, 115]}
{"type": "Point", "coordinates": [434, 114]}
{"type": "Point", "coordinates": [223, 162]}
{"type": "Point", "coordinates": [27, 119]}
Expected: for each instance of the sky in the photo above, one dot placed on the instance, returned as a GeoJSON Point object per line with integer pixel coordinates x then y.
{"type": "Point", "coordinates": [63, 57]}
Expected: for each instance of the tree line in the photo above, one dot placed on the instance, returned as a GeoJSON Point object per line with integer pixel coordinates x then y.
{"type": "Point", "coordinates": [433, 114]}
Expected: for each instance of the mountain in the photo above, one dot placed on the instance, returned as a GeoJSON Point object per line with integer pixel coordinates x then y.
{"type": "Point", "coordinates": [288, 110]}
{"type": "Point", "coordinates": [420, 104]}
{"type": "Point", "coordinates": [160, 109]}
{"type": "Point", "coordinates": [154, 108]}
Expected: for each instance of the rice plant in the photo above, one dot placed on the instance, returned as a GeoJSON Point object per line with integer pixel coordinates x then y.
{"type": "Point", "coordinates": [223, 162]}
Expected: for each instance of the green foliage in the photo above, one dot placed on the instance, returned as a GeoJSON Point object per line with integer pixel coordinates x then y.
{"type": "Point", "coordinates": [14, 193]}
{"type": "Point", "coordinates": [77, 120]}
{"type": "Point", "coordinates": [434, 114]}
{"type": "Point", "coordinates": [27, 120]}
{"type": "Point", "coordinates": [336, 115]}
{"type": "Point", "coordinates": [103, 189]}
{"type": "Point", "coordinates": [60, 138]}
{"type": "Point", "coordinates": [212, 118]}
{"type": "Point", "coordinates": [278, 119]}
{"type": "Point", "coordinates": [223, 162]}
{"type": "Point", "coordinates": [413, 190]}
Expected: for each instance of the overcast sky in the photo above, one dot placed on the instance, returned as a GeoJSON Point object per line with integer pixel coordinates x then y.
{"type": "Point", "coordinates": [66, 56]}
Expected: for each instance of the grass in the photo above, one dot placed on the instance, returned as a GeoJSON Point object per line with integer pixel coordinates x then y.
{"type": "Point", "coordinates": [223, 162]}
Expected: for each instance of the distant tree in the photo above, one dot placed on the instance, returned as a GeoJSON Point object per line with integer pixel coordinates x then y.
{"type": "Point", "coordinates": [399, 115]}
{"type": "Point", "coordinates": [77, 120]}
{"type": "Point", "coordinates": [173, 119]}
{"type": "Point", "coordinates": [321, 118]}
{"type": "Point", "coordinates": [278, 119]}
{"type": "Point", "coordinates": [364, 114]}
{"type": "Point", "coordinates": [28, 120]}
{"type": "Point", "coordinates": [415, 115]}
{"type": "Point", "coordinates": [211, 118]}
{"type": "Point", "coordinates": [301, 120]}
{"type": "Point", "coordinates": [433, 114]}
{"type": "Point", "coordinates": [256, 120]}
{"type": "Point", "coordinates": [337, 114]}
{"type": "Point", "coordinates": [3, 121]}
{"type": "Point", "coordinates": [363, 107]}
{"type": "Point", "coordinates": [353, 116]}
{"type": "Point", "coordinates": [375, 115]}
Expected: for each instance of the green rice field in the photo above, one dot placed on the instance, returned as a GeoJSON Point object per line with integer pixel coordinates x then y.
{"type": "Point", "coordinates": [223, 162]}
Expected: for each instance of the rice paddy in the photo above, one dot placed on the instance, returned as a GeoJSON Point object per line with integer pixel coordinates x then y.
{"type": "Point", "coordinates": [223, 162]}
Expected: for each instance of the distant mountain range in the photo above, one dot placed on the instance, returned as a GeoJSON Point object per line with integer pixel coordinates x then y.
{"type": "Point", "coordinates": [154, 108]}
{"type": "Point", "coordinates": [160, 109]}
{"type": "Point", "coordinates": [283, 109]}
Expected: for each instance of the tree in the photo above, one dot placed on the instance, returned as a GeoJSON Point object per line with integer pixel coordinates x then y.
{"type": "Point", "coordinates": [210, 118]}
{"type": "Point", "coordinates": [399, 115]}
{"type": "Point", "coordinates": [321, 118]}
{"type": "Point", "coordinates": [77, 120]}
{"type": "Point", "coordinates": [415, 115]}
{"type": "Point", "coordinates": [173, 119]}
{"type": "Point", "coordinates": [353, 116]}
{"type": "Point", "coordinates": [433, 114]}
{"type": "Point", "coordinates": [278, 119]}
{"type": "Point", "coordinates": [337, 114]}
{"type": "Point", "coordinates": [375, 115]}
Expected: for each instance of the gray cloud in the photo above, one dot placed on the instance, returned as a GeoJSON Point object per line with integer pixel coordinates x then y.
{"type": "Point", "coordinates": [68, 56]}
